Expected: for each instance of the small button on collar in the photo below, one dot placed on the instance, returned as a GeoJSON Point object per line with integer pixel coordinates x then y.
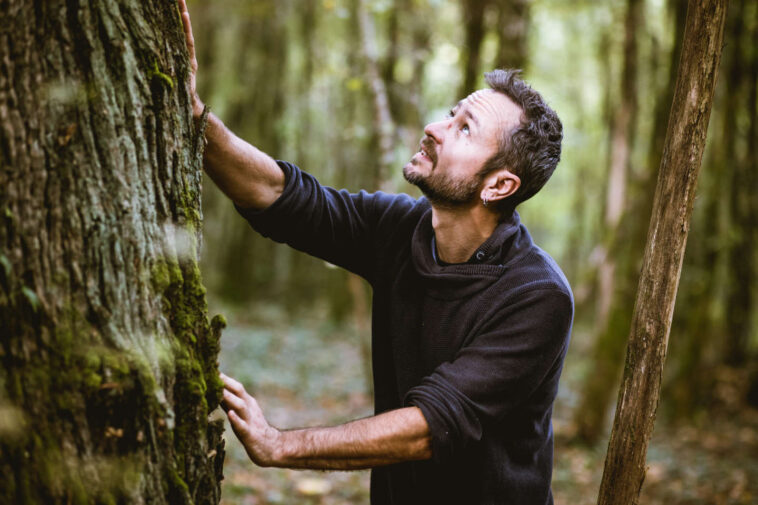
{"type": "Point", "coordinates": [480, 255]}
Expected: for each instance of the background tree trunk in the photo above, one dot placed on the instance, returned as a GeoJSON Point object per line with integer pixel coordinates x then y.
{"type": "Point", "coordinates": [246, 88]}
{"type": "Point", "coordinates": [611, 325]}
{"type": "Point", "coordinates": [685, 141]}
{"type": "Point", "coordinates": [513, 30]}
{"type": "Point", "coordinates": [382, 118]}
{"type": "Point", "coordinates": [715, 314]}
{"type": "Point", "coordinates": [108, 358]}
{"type": "Point", "coordinates": [473, 18]}
{"type": "Point", "coordinates": [742, 206]}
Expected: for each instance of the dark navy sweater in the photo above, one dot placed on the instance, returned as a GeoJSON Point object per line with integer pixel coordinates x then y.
{"type": "Point", "coordinates": [477, 346]}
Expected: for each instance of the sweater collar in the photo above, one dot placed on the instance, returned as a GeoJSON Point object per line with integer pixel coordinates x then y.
{"type": "Point", "coordinates": [508, 241]}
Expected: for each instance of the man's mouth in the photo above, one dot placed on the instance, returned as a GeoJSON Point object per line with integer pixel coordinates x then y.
{"type": "Point", "coordinates": [427, 149]}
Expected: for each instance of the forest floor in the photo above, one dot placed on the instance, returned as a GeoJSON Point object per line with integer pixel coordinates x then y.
{"type": "Point", "coordinates": [309, 372]}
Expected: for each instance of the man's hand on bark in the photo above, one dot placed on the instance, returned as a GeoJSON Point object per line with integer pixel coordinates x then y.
{"type": "Point", "coordinates": [258, 437]}
{"type": "Point", "coordinates": [197, 104]}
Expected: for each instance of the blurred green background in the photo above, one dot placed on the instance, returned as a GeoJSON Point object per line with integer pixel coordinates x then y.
{"type": "Point", "coordinates": [343, 88]}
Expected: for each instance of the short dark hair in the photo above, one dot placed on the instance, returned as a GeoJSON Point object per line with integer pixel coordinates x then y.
{"type": "Point", "coordinates": [532, 149]}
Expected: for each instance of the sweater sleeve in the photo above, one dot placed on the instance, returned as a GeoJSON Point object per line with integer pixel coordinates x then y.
{"type": "Point", "coordinates": [510, 368]}
{"type": "Point", "coordinates": [342, 228]}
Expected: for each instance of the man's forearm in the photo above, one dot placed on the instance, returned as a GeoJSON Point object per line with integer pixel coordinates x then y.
{"type": "Point", "coordinates": [392, 437]}
{"type": "Point", "coordinates": [247, 175]}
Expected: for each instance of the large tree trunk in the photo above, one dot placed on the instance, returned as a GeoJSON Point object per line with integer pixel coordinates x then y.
{"type": "Point", "coordinates": [667, 236]}
{"type": "Point", "coordinates": [108, 358]}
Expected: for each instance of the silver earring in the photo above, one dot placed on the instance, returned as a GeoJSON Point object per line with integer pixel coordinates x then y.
{"type": "Point", "coordinates": [484, 201]}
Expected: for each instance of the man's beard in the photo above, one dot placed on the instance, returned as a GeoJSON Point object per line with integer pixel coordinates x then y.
{"type": "Point", "coordinates": [444, 191]}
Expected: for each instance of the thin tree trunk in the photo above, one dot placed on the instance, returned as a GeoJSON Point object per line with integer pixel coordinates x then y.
{"type": "Point", "coordinates": [684, 386]}
{"type": "Point", "coordinates": [685, 141]}
{"type": "Point", "coordinates": [108, 358]}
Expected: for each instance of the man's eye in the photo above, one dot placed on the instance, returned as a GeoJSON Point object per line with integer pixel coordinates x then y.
{"type": "Point", "coordinates": [465, 129]}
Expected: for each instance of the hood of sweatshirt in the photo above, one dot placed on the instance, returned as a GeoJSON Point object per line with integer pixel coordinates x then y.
{"type": "Point", "coordinates": [508, 242]}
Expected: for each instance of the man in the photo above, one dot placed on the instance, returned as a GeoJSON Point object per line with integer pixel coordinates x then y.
{"type": "Point", "coordinates": [470, 319]}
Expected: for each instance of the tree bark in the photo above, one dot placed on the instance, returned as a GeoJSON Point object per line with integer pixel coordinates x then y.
{"type": "Point", "coordinates": [108, 359]}
{"type": "Point", "coordinates": [685, 141]}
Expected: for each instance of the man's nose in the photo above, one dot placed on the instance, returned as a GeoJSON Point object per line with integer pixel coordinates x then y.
{"type": "Point", "coordinates": [435, 130]}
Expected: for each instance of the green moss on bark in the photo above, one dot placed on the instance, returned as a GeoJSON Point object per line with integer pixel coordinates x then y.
{"type": "Point", "coordinates": [114, 386]}
{"type": "Point", "coordinates": [197, 387]}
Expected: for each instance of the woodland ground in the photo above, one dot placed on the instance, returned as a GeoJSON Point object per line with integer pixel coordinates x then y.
{"type": "Point", "coordinates": [308, 372]}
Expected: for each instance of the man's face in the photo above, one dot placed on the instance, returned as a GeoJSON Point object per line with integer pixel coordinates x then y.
{"type": "Point", "coordinates": [454, 150]}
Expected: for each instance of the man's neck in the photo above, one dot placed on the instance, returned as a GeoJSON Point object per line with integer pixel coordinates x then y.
{"type": "Point", "coordinates": [459, 232]}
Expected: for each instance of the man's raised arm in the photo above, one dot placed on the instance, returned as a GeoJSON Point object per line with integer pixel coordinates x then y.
{"type": "Point", "coordinates": [247, 175]}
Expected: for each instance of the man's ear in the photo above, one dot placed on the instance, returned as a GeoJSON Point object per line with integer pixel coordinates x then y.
{"type": "Point", "coordinates": [500, 184]}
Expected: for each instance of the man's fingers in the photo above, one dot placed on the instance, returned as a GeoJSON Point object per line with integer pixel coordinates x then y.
{"type": "Point", "coordinates": [241, 431]}
{"type": "Point", "coordinates": [230, 402]}
{"type": "Point", "coordinates": [183, 7]}
{"type": "Point", "coordinates": [235, 420]}
{"type": "Point", "coordinates": [232, 385]}
{"type": "Point", "coordinates": [238, 425]}
{"type": "Point", "coordinates": [197, 105]}
{"type": "Point", "coordinates": [188, 34]}
{"type": "Point", "coordinates": [187, 28]}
